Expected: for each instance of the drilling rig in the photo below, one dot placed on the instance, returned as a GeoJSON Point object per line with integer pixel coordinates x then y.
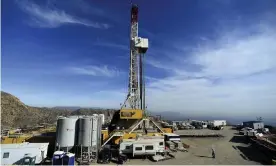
{"type": "Point", "coordinates": [130, 120]}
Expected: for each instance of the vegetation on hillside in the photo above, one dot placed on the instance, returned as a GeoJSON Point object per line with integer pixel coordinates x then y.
{"type": "Point", "coordinates": [14, 113]}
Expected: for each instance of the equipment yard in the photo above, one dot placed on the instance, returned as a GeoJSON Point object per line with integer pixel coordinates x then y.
{"type": "Point", "coordinates": [230, 150]}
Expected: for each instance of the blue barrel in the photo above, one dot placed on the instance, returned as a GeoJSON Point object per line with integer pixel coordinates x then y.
{"type": "Point", "coordinates": [58, 158]}
{"type": "Point", "coordinates": [68, 159]}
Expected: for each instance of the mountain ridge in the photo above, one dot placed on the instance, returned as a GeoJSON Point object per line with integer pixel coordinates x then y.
{"type": "Point", "coordinates": [14, 113]}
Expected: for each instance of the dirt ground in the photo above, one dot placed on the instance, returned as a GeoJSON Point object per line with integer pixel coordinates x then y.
{"type": "Point", "coordinates": [230, 150]}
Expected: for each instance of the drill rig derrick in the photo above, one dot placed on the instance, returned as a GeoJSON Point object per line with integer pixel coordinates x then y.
{"type": "Point", "coordinates": [131, 115]}
{"type": "Point", "coordinates": [134, 105]}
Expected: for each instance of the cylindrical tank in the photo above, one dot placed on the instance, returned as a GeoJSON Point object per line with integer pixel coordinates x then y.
{"type": "Point", "coordinates": [85, 131]}
{"type": "Point", "coordinates": [95, 130]}
{"type": "Point", "coordinates": [66, 133]}
{"type": "Point", "coordinates": [102, 116]}
{"type": "Point", "coordinates": [89, 131]}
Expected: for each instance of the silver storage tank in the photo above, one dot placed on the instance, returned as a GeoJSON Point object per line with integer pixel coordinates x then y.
{"type": "Point", "coordinates": [95, 128]}
{"type": "Point", "coordinates": [65, 139]}
{"type": "Point", "coordinates": [89, 131]}
{"type": "Point", "coordinates": [85, 131]}
{"type": "Point", "coordinates": [89, 137]}
{"type": "Point", "coordinates": [103, 119]}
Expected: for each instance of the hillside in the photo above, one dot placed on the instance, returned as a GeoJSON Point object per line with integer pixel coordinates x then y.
{"type": "Point", "coordinates": [15, 113]}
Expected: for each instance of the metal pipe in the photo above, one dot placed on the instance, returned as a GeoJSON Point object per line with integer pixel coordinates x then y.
{"type": "Point", "coordinates": [144, 84]}
{"type": "Point", "coordinates": [141, 80]}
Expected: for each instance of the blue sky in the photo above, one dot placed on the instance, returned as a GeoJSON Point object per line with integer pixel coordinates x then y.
{"type": "Point", "coordinates": [205, 57]}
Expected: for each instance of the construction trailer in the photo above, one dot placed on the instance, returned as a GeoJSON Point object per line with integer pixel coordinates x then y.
{"type": "Point", "coordinates": [23, 154]}
{"type": "Point", "coordinates": [148, 148]}
{"type": "Point", "coordinates": [217, 123]}
{"type": "Point", "coordinates": [254, 124]}
{"type": "Point", "coordinates": [145, 145]}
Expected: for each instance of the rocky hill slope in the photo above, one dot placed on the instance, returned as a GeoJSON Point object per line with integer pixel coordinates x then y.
{"type": "Point", "coordinates": [15, 113]}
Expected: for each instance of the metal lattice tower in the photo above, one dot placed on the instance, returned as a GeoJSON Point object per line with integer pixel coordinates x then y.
{"type": "Point", "coordinates": [133, 98]}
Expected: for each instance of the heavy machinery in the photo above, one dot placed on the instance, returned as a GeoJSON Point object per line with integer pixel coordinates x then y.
{"type": "Point", "coordinates": [131, 120]}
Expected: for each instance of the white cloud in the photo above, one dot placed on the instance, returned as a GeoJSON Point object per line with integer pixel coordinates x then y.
{"type": "Point", "coordinates": [103, 71]}
{"type": "Point", "coordinates": [157, 64]}
{"type": "Point", "coordinates": [244, 67]}
{"type": "Point", "coordinates": [239, 56]}
{"type": "Point", "coordinates": [51, 18]}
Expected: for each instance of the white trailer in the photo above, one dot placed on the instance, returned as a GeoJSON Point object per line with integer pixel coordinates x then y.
{"type": "Point", "coordinates": [217, 123]}
{"type": "Point", "coordinates": [143, 146]}
{"type": "Point", "coordinates": [126, 146]}
{"type": "Point", "coordinates": [21, 154]}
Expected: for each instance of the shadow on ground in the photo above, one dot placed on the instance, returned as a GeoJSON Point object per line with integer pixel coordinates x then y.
{"type": "Point", "coordinates": [238, 139]}
{"type": "Point", "coordinates": [237, 134]}
{"type": "Point", "coordinates": [203, 156]}
{"type": "Point", "coordinates": [253, 154]}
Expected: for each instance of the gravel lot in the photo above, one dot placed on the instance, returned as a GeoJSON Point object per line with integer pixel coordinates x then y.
{"type": "Point", "coordinates": [229, 150]}
{"type": "Point", "coordinates": [200, 132]}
